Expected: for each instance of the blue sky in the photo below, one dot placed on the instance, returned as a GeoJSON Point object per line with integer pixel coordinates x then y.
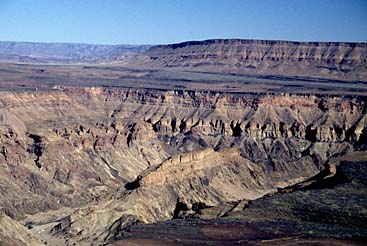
{"type": "Point", "coordinates": [169, 21]}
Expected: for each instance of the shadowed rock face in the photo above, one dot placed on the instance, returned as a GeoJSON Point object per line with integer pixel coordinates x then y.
{"type": "Point", "coordinates": [166, 153]}
{"type": "Point", "coordinates": [282, 58]}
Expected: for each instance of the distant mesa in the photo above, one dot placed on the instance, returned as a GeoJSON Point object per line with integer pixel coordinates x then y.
{"type": "Point", "coordinates": [331, 60]}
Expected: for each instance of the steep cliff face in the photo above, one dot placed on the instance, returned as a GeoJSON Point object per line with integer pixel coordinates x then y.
{"type": "Point", "coordinates": [64, 149]}
{"type": "Point", "coordinates": [284, 58]}
{"type": "Point", "coordinates": [166, 153]}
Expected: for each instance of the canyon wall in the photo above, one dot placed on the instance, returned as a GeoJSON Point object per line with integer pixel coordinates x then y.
{"type": "Point", "coordinates": [144, 156]}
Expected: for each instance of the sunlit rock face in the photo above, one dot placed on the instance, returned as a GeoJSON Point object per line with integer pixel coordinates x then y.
{"type": "Point", "coordinates": [144, 156]}
{"type": "Point", "coordinates": [281, 58]}
{"type": "Point", "coordinates": [14, 233]}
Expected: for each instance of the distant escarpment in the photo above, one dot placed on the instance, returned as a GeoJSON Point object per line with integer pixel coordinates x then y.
{"type": "Point", "coordinates": [32, 52]}
{"type": "Point", "coordinates": [328, 60]}
{"type": "Point", "coordinates": [132, 156]}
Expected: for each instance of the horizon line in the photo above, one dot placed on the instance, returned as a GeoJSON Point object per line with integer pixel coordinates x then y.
{"type": "Point", "coordinates": [180, 42]}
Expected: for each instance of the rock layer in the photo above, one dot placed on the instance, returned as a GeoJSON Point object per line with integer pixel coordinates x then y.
{"type": "Point", "coordinates": [167, 153]}
{"type": "Point", "coordinates": [263, 57]}
{"type": "Point", "coordinates": [209, 127]}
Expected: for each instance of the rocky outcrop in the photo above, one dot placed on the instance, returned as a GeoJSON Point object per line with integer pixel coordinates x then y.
{"type": "Point", "coordinates": [336, 196]}
{"type": "Point", "coordinates": [327, 209]}
{"type": "Point", "coordinates": [13, 233]}
{"type": "Point", "coordinates": [134, 156]}
{"type": "Point", "coordinates": [67, 155]}
{"type": "Point", "coordinates": [12, 123]}
{"type": "Point", "coordinates": [204, 178]}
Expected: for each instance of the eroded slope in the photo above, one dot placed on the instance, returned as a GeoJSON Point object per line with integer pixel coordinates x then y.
{"type": "Point", "coordinates": [143, 156]}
